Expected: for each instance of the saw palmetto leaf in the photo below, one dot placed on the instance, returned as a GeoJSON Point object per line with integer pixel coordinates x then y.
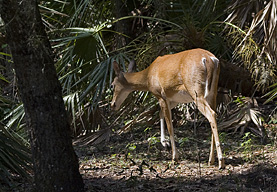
{"type": "Point", "coordinates": [14, 156]}
{"type": "Point", "coordinates": [257, 44]}
{"type": "Point", "coordinates": [272, 94]}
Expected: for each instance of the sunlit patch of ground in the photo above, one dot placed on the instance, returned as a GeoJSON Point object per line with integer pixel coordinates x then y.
{"type": "Point", "coordinates": [136, 161]}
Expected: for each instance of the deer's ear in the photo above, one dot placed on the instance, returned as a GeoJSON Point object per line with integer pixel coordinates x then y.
{"type": "Point", "coordinates": [132, 66]}
{"type": "Point", "coordinates": [116, 68]}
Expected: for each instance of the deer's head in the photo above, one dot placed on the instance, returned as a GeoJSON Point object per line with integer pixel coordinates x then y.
{"type": "Point", "coordinates": [120, 85]}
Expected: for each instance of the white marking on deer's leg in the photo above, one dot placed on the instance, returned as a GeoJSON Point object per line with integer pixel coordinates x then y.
{"type": "Point", "coordinates": [162, 130]}
{"type": "Point", "coordinates": [164, 141]}
{"type": "Point", "coordinates": [167, 115]}
{"type": "Point", "coordinates": [211, 158]}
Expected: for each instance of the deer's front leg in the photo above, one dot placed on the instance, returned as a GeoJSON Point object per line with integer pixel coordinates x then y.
{"type": "Point", "coordinates": [164, 141]}
{"type": "Point", "coordinates": [166, 110]}
{"type": "Point", "coordinates": [211, 158]}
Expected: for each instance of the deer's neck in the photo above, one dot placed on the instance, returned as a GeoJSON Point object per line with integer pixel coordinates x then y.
{"type": "Point", "coordinates": [138, 80]}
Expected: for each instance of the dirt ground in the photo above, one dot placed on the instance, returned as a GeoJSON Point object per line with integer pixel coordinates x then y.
{"type": "Point", "coordinates": [136, 161]}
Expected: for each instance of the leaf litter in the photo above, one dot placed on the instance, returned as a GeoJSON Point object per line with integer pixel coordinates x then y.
{"type": "Point", "coordinates": [131, 162]}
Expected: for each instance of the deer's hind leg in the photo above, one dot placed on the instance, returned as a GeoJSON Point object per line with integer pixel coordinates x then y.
{"type": "Point", "coordinates": [210, 114]}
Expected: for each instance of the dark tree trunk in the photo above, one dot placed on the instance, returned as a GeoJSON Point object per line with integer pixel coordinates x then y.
{"type": "Point", "coordinates": [123, 27]}
{"type": "Point", "coordinates": [55, 163]}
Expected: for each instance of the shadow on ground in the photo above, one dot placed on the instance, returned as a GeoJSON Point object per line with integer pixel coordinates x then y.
{"type": "Point", "coordinates": [258, 178]}
{"type": "Point", "coordinates": [133, 162]}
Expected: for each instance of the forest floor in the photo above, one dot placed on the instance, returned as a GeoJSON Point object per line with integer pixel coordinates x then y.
{"type": "Point", "coordinates": [136, 161]}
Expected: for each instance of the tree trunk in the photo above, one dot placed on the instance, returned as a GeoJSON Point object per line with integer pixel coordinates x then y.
{"type": "Point", "coordinates": [123, 27]}
{"type": "Point", "coordinates": [55, 162]}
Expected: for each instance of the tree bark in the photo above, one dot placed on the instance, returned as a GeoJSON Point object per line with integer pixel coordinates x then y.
{"type": "Point", "coordinates": [55, 162]}
{"type": "Point", "coordinates": [123, 27]}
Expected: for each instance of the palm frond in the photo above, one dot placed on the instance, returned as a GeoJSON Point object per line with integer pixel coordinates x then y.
{"type": "Point", "coordinates": [256, 45]}
{"type": "Point", "coordinates": [81, 51]}
{"type": "Point", "coordinates": [14, 156]}
{"type": "Point", "coordinates": [247, 112]}
{"type": "Point", "coordinates": [272, 94]}
{"type": "Point", "coordinates": [240, 11]}
{"type": "Point", "coordinates": [14, 120]}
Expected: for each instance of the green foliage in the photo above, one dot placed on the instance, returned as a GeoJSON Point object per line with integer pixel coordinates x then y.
{"type": "Point", "coordinates": [273, 120]}
{"type": "Point", "coordinates": [153, 140]}
{"type": "Point", "coordinates": [272, 94]}
{"type": "Point", "coordinates": [247, 141]}
{"type": "Point", "coordinates": [14, 156]}
{"type": "Point", "coordinates": [82, 36]}
{"type": "Point", "coordinates": [248, 144]}
{"type": "Point", "coordinates": [4, 57]}
{"type": "Point", "coordinates": [14, 120]}
{"type": "Point", "coordinates": [255, 39]}
{"type": "Point", "coordinates": [131, 147]}
{"type": "Point", "coordinates": [182, 142]}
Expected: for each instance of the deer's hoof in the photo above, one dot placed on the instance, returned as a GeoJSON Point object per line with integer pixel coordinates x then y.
{"type": "Point", "coordinates": [166, 144]}
{"type": "Point", "coordinates": [174, 161]}
{"type": "Point", "coordinates": [211, 162]}
{"type": "Point", "coordinates": [221, 164]}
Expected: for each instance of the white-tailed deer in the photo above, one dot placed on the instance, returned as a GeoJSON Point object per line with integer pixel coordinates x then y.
{"type": "Point", "coordinates": [188, 76]}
